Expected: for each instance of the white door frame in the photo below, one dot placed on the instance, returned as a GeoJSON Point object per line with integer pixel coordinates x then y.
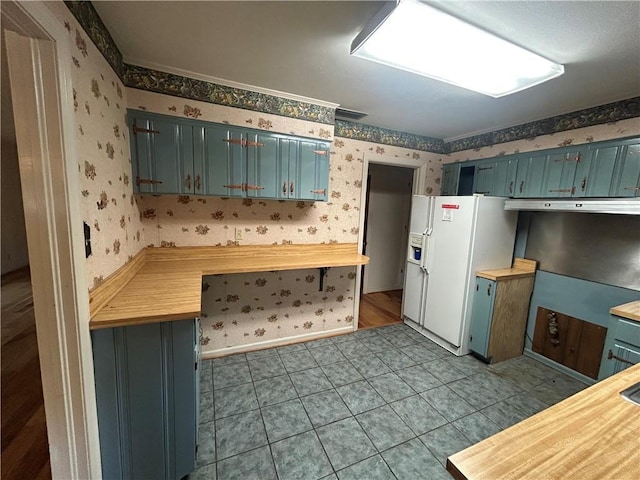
{"type": "Point", "coordinates": [419, 182]}
{"type": "Point", "coordinates": [39, 54]}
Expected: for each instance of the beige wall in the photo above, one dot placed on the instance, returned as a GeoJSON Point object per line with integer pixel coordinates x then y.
{"type": "Point", "coordinates": [102, 149]}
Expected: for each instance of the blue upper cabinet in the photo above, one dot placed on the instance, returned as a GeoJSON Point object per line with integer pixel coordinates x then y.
{"type": "Point", "coordinates": [595, 172]}
{"type": "Point", "coordinates": [627, 176]}
{"type": "Point", "coordinates": [603, 169]}
{"type": "Point", "coordinates": [182, 156]}
{"type": "Point", "coordinates": [529, 176]}
{"type": "Point", "coordinates": [559, 173]}
{"type": "Point", "coordinates": [162, 151]}
{"type": "Point", "coordinates": [449, 180]}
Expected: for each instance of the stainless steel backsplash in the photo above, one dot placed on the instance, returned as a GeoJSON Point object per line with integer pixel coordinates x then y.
{"type": "Point", "coordinates": [592, 246]}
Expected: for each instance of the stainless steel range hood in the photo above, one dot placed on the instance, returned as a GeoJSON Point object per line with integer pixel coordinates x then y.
{"type": "Point", "coordinates": [626, 206]}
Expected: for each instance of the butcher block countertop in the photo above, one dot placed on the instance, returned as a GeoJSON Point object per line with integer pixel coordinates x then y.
{"type": "Point", "coordinates": [521, 268]}
{"type": "Point", "coordinates": [162, 284]}
{"type": "Point", "coordinates": [595, 434]}
{"type": "Point", "coordinates": [629, 310]}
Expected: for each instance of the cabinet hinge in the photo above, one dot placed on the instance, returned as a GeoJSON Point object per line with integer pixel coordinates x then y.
{"type": "Point", "coordinates": [320, 152]}
{"type": "Point", "coordinates": [137, 129]}
{"type": "Point", "coordinates": [485, 168]}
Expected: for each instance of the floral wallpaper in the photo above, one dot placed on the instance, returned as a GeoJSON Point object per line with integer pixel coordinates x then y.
{"type": "Point", "coordinates": [102, 150]}
{"type": "Point", "coordinates": [596, 133]}
{"type": "Point", "coordinates": [254, 308]}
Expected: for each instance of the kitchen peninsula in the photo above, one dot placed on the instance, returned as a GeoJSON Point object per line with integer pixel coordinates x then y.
{"type": "Point", "coordinates": [595, 434]}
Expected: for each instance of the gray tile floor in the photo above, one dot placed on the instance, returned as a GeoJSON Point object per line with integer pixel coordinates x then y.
{"type": "Point", "coordinates": [384, 403]}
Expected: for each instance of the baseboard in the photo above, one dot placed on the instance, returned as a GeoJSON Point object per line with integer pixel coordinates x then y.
{"type": "Point", "coordinates": [278, 342]}
{"type": "Point", "coordinates": [559, 367]}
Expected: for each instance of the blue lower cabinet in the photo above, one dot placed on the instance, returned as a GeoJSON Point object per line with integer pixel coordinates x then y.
{"type": "Point", "coordinates": [622, 347]}
{"type": "Point", "coordinates": [146, 393]}
{"type": "Point", "coordinates": [481, 316]}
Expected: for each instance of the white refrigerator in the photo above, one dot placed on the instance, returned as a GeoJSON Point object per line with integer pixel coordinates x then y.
{"type": "Point", "coordinates": [450, 239]}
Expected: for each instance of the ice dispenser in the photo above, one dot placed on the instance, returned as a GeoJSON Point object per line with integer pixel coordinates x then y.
{"type": "Point", "coordinates": [415, 242]}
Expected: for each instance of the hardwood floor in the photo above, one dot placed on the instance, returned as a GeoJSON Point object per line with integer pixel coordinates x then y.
{"type": "Point", "coordinates": [25, 449]}
{"type": "Point", "coordinates": [380, 308]}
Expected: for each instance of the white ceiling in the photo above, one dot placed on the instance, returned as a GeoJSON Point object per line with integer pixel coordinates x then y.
{"type": "Point", "coordinates": [302, 48]}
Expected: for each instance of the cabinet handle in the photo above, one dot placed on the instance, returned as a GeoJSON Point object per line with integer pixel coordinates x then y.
{"type": "Point", "coordinates": [511, 186]}
{"type": "Point", "coordinates": [284, 187]}
{"type": "Point", "coordinates": [583, 184]}
{"type": "Point", "coordinates": [484, 193]}
{"type": "Point", "coordinates": [485, 168]}
{"type": "Point", "coordinates": [198, 185]}
{"type": "Point", "coordinates": [489, 289]}
{"type": "Point", "coordinates": [147, 181]}
{"type": "Point", "coordinates": [137, 129]}
{"type": "Point", "coordinates": [521, 185]}
{"type": "Point", "coordinates": [565, 190]}
{"type": "Point", "coordinates": [235, 187]}
{"type": "Point", "coordinates": [631, 188]}
{"type": "Point", "coordinates": [320, 192]}
{"type": "Point", "coordinates": [291, 187]}
{"type": "Point", "coordinates": [611, 355]}
{"type": "Point", "coordinates": [188, 182]}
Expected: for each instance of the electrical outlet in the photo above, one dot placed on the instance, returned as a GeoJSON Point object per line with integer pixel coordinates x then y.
{"type": "Point", "coordinates": [238, 234]}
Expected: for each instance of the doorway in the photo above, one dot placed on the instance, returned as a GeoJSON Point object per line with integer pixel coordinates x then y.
{"type": "Point", "coordinates": [38, 51]}
{"type": "Point", "coordinates": [386, 223]}
{"type": "Point", "coordinates": [25, 449]}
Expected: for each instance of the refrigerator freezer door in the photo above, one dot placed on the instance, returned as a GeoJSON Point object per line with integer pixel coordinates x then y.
{"type": "Point", "coordinates": [413, 295]}
{"type": "Point", "coordinates": [448, 265]}
{"type": "Point", "coordinates": [420, 206]}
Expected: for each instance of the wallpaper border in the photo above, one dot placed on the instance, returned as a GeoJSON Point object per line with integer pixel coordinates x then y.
{"type": "Point", "coordinates": [608, 113]}
{"type": "Point", "coordinates": [88, 18]}
{"type": "Point", "coordinates": [384, 136]}
{"type": "Point", "coordinates": [178, 86]}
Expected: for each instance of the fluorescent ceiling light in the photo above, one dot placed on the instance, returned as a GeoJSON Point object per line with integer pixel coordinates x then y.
{"type": "Point", "coordinates": [421, 39]}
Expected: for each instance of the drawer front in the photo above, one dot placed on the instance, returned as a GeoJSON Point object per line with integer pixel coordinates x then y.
{"type": "Point", "coordinates": [628, 332]}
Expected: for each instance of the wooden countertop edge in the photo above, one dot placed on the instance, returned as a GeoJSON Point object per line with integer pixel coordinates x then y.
{"type": "Point", "coordinates": [588, 404]}
{"type": "Point", "coordinates": [629, 310]}
{"type": "Point", "coordinates": [225, 260]}
{"type": "Point", "coordinates": [507, 274]}
{"type": "Point", "coordinates": [522, 267]}
{"type": "Point", "coordinates": [142, 320]}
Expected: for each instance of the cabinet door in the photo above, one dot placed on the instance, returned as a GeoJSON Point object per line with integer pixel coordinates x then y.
{"type": "Point", "coordinates": [449, 181]}
{"type": "Point", "coordinates": [628, 178]}
{"type": "Point", "coordinates": [162, 151]}
{"type": "Point", "coordinates": [559, 173]}
{"type": "Point", "coordinates": [481, 315]}
{"type": "Point", "coordinates": [502, 182]}
{"type": "Point", "coordinates": [529, 176]}
{"type": "Point", "coordinates": [512, 176]}
{"type": "Point", "coordinates": [483, 178]}
{"type": "Point", "coordinates": [595, 172]}
{"type": "Point", "coordinates": [262, 166]}
{"type": "Point", "coordinates": [287, 166]}
{"type": "Point", "coordinates": [312, 171]}
{"type": "Point", "coordinates": [221, 152]}
{"type": "Point", "coordinates": [145, 393]}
